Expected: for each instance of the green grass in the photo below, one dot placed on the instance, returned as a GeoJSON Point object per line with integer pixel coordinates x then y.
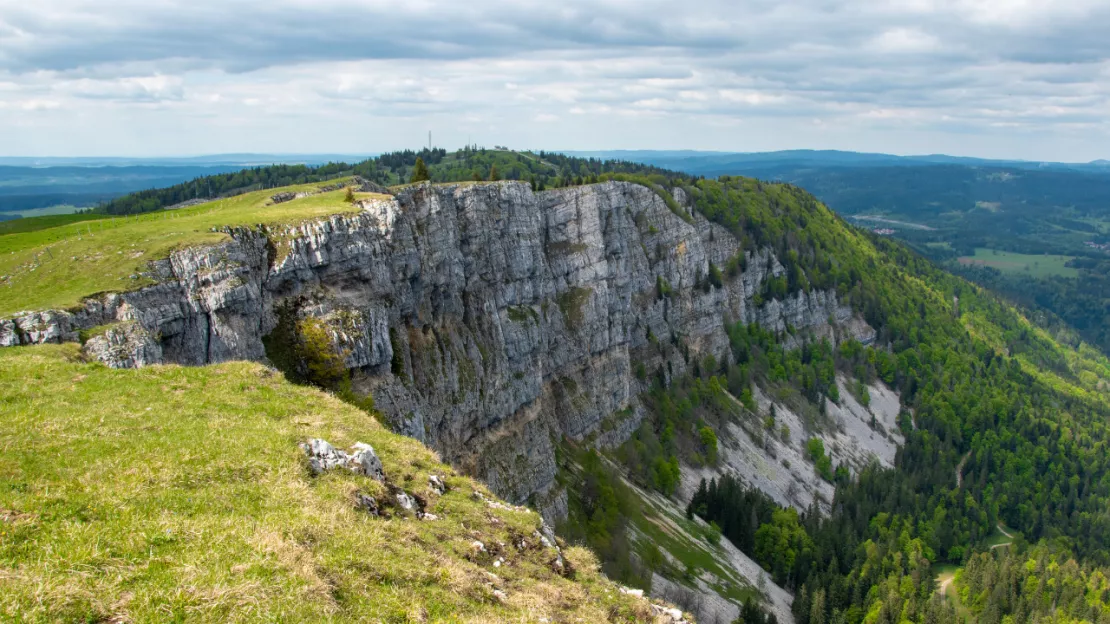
{"type": "Point", "coordinates": [174, 494]}
{"type": "Point", "coordinates": [32, 224]}
{"type": "Point", "coordinates": [1032, 265]}
{"type": "Point", "coordinates": [57, 267]}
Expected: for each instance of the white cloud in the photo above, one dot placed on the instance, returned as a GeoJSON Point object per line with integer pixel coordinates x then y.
{"type": "Point", "coordinates": [39, 105]}
{"type": "Point", "coordinates": [366, 75]}
{"type": "Point", "coordinates": [899, 40]}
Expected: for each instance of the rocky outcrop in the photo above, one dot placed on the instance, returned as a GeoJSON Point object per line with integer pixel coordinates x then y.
{"type": "Point", "coordinates": [124, 345]}
{"type": "Point", "coordinates": [323, 457]}
{"type": "Point", "coordinates": [487, 320]}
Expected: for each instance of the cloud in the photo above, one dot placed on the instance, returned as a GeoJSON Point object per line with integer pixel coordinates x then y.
{"type": "Point", "coordinates": [891, 75]}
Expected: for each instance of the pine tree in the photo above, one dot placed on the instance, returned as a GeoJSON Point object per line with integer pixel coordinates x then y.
{"type": "Point", "coordinates": [350, 196]}
{"type": "Point", "coordinates": [493, 175]}
{"type": "Point", "coordinates": [419, 171]}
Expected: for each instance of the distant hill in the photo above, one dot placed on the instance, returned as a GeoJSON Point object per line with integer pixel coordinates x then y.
{"type": "Point", "coordinates": [734, 163]}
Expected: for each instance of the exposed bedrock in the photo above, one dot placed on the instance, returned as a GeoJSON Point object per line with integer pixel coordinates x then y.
{"type": "Point", "coordinates": [488, 321]}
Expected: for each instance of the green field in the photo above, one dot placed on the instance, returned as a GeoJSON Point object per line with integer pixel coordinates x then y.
{"type": "Point", "coordinates": [1032, 265]}
{"type": "Point", "coordinates": [58, 266]}
{"type": "Point", "coordinates": [180, 494]}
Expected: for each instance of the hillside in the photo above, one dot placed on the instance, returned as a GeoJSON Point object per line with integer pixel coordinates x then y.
{"type": "Point", "coordinates": [595, 350]}
{"type": "Point", "coordinates": [1049, 221]}
{"type": "Point", "coordinates": [182, 493]}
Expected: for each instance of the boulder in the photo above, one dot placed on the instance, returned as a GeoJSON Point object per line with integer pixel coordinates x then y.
{"type": "Point", "coordinates": [365, 461]}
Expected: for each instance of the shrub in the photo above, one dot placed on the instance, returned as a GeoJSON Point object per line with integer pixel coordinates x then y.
{"type": "Point", "coordinates": [709, 444]}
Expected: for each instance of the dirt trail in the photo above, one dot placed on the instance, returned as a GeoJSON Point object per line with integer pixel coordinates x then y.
{"type": "Point", "coordinates": [1004, 532]}
{"type": "Point", "coordinates": [960, 470]}
{"type": "Point", "coordinates": [945, 582]}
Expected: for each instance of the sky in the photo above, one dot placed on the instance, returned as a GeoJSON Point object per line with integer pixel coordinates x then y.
{"type": "Point", "coordinates": [1023, 79]}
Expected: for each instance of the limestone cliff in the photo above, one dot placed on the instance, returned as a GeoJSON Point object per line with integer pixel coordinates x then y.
{"type": "Point", "coordinates": [487, 320]}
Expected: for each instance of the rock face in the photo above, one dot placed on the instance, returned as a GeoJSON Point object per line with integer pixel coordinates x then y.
{"type": "Point", "coordinates": [125, 345]}
{"type": "Point", "coordinates": [487, 320]}
{"type": "Point", "coordinates": [853, 435]}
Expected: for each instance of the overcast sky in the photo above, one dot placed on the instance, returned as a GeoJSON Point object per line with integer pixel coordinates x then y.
{"type": "Point", "coordinates": [995, 78]}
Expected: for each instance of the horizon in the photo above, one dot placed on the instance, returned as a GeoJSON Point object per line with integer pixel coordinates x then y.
{"type": "Point", "coordinates": [694, 153]}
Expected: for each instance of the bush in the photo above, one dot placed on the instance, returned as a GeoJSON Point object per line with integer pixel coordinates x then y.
{"type": "Point", "coordinates": [302, 349]}
{"type": "Point", "coordinates": [713, 533]}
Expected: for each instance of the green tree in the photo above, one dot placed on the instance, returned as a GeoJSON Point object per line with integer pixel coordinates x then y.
{"type": "Point", "coordinates": [420, 172]}
{"type": "Point", "coordinates": [493, 175]}
{"type": "Point", "coordinates": [709, 444]}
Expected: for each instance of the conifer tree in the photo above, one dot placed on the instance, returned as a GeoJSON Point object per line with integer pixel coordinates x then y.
{"type": "Point", "coordinates": [493, 175]}
{"type": "Point", "coordinates": [419, 171]}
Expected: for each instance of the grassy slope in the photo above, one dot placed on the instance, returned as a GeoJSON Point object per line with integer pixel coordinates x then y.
{"type": "Point", "coordinates": [180, 493]}
{"type": "Point", "coordinates": [58, 266]}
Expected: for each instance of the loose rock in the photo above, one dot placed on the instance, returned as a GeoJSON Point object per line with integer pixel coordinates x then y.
{"type": "Point", "coordinates": [366, 503]}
